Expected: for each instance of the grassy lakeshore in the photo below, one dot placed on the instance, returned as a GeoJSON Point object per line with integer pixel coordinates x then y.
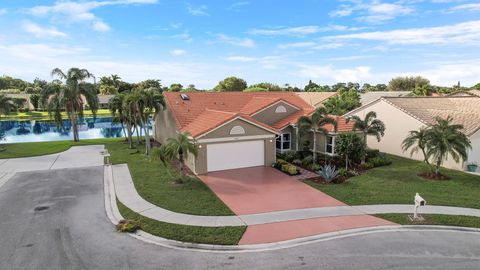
{"type": "Point", "coordinates": [37, 115]}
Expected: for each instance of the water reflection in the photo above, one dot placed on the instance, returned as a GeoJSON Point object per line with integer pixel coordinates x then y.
{"type": "Point", "coordinates": [40, 131]}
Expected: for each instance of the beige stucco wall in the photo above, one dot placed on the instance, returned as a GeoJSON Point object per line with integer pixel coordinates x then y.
{"type": "Point", "coordinates": [165, 126]}
{"type": "Point", "coordinates": [398, 124]}
{"type": "Point", "coordinates": [474, 154]}
{"type": "Point", "coordinates": [269, 116]}
{"type": "Point", "coordinates": [200, 166]}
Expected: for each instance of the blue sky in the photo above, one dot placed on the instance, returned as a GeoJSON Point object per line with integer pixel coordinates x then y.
{"type": "Point", "coordinates": [287, 41]}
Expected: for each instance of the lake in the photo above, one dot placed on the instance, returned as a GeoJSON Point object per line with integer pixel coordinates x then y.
{"type": "Point", "coordinates": [43, 131]}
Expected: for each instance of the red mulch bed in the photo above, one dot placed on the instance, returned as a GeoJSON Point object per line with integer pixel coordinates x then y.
{"type": "Point", "coordinates": [433, 176]}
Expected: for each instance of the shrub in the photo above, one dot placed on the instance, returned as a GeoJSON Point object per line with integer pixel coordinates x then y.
{"type": "Point", "coordinates": [290, 156]}
{"type": "Point", "coordinates": [367, 165]}
{"type": "Point", "coordinates": [281, 161]}
{"type": "Point", "coordinates": [329, 173]}
{"type": "Point", "coordinates": [127, 226]}
{"type": "Point", "coordinates": [297, 162]}
{"type": "Point", "coordinates": [380, 161]}
{"type": "Point", "coordinates": [343, 172]}
{"type": "Point", "coordinates": [290, 169]}
{"type": "Point", "coordinates": [307, 160]}
{"type": "Point", "coordinates": [372, 153]}
{"type": "Point", "coordinates": [350, 147]}
{"type": "Point", "coordinates": [315, 167]}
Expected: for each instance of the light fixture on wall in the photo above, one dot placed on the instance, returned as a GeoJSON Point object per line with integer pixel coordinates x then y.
{"type": "Point", "coordinates": [271, 140]}
{"type": "Point", "coordinates": [199, 146]}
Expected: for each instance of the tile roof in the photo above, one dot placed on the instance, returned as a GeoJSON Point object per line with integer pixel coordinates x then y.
{"type": "Point", "coordinates": [464, 110]}
{"type": "Point", "coordinates": [368, 97]}
{"type": "Point", "coordinates": [466, 93]}
{"type": "Point", "coordinates": [315, 98]}
{"type": "Point", "coordinates": [207, 110]}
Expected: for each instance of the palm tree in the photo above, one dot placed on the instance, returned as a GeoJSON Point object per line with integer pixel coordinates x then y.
{"type": "Point", "coordinates": [315, 123]}
{"type": "Point", "coordinates": [131, 109]}
{"type": "Point", "coordinates": [6, 105]}
{"type": "Point", "coordinates": [368, 126]}
{"type": "Point", "coordinates": [165, 155]}
{"type": "Point", "coordinates": [446, 139]}
{"type": "Point", "coordinates": [417, 140]}
{"type": "Point", "coordinates": [182, 146]}
{"type": "Point", "coordinates": [140, 106]}
{"type": "Point", "coordinates": [115, 104]}
{"type": "Point", "coordinates": [68, 97]}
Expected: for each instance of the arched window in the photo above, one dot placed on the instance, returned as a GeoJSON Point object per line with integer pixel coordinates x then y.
{"type": "Point", "coordinates": [281, 109]}
{"type": "Point", "coordinates": [237, 130]}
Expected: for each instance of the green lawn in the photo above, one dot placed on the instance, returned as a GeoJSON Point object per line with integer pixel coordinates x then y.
{"type": "Point", "coordinates": [463, 221]}
{"type": "Point", "coordinates": [150, 178]}
{"type": "Point", "coordinates": [37, 115]}
{"type": "Point", "coordinates": [184, 233]}
{"type": "Point", "coordinates": [398, 183]}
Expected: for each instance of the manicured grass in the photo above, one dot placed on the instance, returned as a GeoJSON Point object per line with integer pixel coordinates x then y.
{"type": "Point", "coordinates": [184, 233]}
{"type": "Point", "coordinates": [37, 115]}
{"type": "Point", "coordinates": [463, 221]}
{"type": "Point", "coordinates": [150, 178]}
{"type": "Point", "coordinates": [398, 183]}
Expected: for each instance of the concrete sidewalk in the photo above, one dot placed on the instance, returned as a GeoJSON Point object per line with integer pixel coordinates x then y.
{"type": "Point", "coordinates": [127, 194]}
{"type": "Point", "coordinates": [75, 157]}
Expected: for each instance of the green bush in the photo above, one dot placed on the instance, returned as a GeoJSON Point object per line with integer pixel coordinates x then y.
{"type": "Point", "coordinates": [343, 172]}
{"type": "Point", "coordinates": [380, 161]}
{"type": "Point", "coordinates": [368, 165]}
{"type": "Point", "coordinates": [281, 161]}
{"type": "Point", "coordinates": [372, 153]}
{"type": "Point", "coordinates": [289, 156]}
{"type": "Point", "coordinates": [315, 167]}
{"type": "Point", "coordinates": [290, 169]}
{"type": "Point", "coordinates": [297, 162]}
{"type": "Point", "coordinates": [307, 160]}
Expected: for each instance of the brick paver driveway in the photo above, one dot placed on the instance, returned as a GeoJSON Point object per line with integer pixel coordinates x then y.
{"type": "Point", "coordinates": [264, 189]}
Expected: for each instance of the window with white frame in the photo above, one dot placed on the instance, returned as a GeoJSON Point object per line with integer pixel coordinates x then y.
{"type": "Point", "coordinates": [330, 145]}
{"type": "Point", "coordinates": [284, 142]}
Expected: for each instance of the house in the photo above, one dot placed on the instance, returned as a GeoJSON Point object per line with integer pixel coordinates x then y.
{"type": "Point", "coordinates": [316, 99]}
{"type": "Point", "coordinates": [468, 93]}
{"type": "Point", "coordinates": [403, 114]}
{"type": "Point", "coordinates": [368, 97]}
{"type": "Point", "coordinates": [237, 129]}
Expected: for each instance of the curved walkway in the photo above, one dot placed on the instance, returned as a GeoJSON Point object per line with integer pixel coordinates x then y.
{"type": "Point", "coordinates": [127, 194]}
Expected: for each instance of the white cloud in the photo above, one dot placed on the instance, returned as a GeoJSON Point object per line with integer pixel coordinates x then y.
{"type": "Point", "coordinates": [197, 10]}
{"type": "Point", "coordinates": [300, 30]}
{"type": "Point", "coordinates": [311, 45]}
{"type": "Point", "coordinates": [177, 52]}
{"type": "Point", "coordinates": [42, 32]}
{"type": "Point", "coordinates": [101, 26]}
{"type": "Point", "coordinates": [39, 51]}
{"type": "Point", "coordinates": [82, 11]}
{"type": "Point", "coordinates": [239, 58]}
{"type": "Point", "coordinates": [238, 5]}
{"type": "Point", "coordinates": [185, 36]}
{"type": "Point", "coordinates": [468, 73]}
{"type": "Point", "coordinates": [242, 42]}
{"type": "Point", "coordinates": [3, 11]}
{"type": "Point", "coordinates": [466, 7]}
{"type": "Point", "coordinates": [373, 11]}
{"type": "Point", "coordinates": [467, 33]}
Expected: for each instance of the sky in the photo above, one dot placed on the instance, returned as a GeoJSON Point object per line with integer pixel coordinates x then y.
{"type": "Point", "coordinates": [282, 41]}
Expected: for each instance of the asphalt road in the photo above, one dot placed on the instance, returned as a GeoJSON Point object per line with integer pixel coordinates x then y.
{"type": "Point", "coordinates": [56, 220]}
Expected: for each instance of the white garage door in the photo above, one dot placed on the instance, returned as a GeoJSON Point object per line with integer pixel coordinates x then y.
{"type": "Point", "coordinates": [234, 155]}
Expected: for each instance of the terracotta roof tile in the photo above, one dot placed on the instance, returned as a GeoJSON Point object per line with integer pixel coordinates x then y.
{"type": "Point", "coordinates": [207, 110]}
{"type": "Point", "coordinates": [315, 98]}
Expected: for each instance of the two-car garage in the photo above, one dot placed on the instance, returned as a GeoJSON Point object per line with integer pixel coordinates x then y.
{"type": "Point", "coordinates": [234, 155]}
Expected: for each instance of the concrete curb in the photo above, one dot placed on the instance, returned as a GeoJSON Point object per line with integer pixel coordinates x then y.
{"type": "Point", "coordinates": [114, 216]}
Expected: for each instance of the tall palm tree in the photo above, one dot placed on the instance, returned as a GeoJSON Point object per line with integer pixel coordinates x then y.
{"type": "Point", "coordinates": [165, 155]}
{"type": "Point", "coordinates": [182, 146]}
{"type": "Point", "coordinates": [132, 110]}
{"type": "Point", "coordinates": [6, 105]}
{"type": "Point", "coordinates": [447, 139]}
{"type": "Point", "coordinates": [315, 123]}
{"type": "Point", "coordinates": [140, 105]}
{"type": "Point", "coordinates": [68, 97]}
{"type": "Point", "coordinates": [417, 140]}
{"type": "Point", "coordinates": [115, 104]}
{"type": "Point", "coordinates": [368, 126]}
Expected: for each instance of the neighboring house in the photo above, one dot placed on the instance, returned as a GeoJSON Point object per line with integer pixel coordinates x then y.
{"type": "Point", "coordinates": [468, 93]}
{"type": "Point", "coordinates": [368, 97]}
{"type": "Point", "coordinates": [316, 99]}
{"type": "Point", "coordinates": [236, 129]}
{"type": "Point", "coordinates": [103, 101]}
{"type": "Point", "coordinates": [28, 104]}
{"type": "Point", "coordinates": [403, 114]}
